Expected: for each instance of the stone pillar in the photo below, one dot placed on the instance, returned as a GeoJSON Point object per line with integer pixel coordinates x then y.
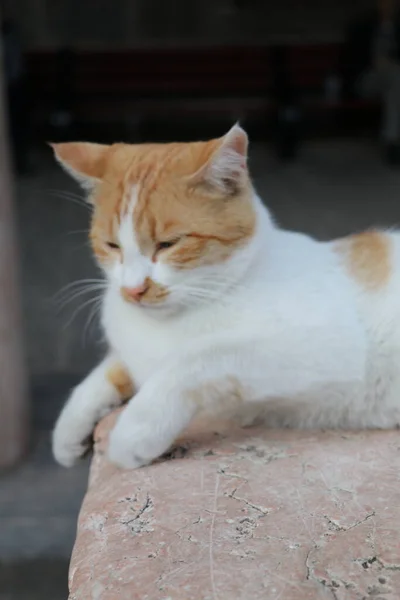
{"type": "Point", "coordinates": [14, 412]}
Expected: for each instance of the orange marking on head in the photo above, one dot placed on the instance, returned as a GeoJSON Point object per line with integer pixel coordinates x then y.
{"type": "Point", "coordinates": [119, 377]}
{"type": "Point", "coordinates": [179, 197]}
{"type": "Point", "coordinates": [367, 257]}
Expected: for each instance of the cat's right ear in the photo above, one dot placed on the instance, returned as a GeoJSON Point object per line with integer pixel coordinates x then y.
{"type": "Point", "coordinates": [84, 161]}
{"type": "Point", "coordinates": [226, 170]}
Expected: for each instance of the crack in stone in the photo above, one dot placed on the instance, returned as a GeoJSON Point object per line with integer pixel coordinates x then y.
{"type": "Point", "coordinates": [222, 471]}
{"type": "Point", "coordinates": [333, 585]}
{"type": "Point", "coordinates": [147, 504]}
{"type": "Point", "coordinates": [261, 509]}
{"type": "Point", "coordinates": [137, 524]}
{"type": "Point", "coordinates": [308, 570]}
{"type": "Point", "coordinates": [387, 567]}
{"type": "Point", "coordinates": [338, 527]}
{"type": "Point", "coordinates": [310, 576]}
{"type": "Point", "coordinates": [265, 455]}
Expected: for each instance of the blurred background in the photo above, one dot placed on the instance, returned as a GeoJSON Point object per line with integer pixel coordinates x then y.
{"type": "Point", "coordinates": [317, 85]}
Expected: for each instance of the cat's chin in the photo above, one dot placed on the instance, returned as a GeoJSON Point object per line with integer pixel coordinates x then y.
{"type": "Point", "coordinates": [160, 311]}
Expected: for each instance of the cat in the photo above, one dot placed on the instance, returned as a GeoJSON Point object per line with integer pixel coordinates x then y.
{"type": "Point", "coordinates": [211, 307]}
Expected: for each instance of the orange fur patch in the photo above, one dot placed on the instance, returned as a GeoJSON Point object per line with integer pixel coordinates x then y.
{"type": "Point", "coordinates": [367, 258]}
{"type": "Point", "coordinates": [119, 377]}
{"type": "Point", "coordinates": [169, 205]}
{"type": "Point", "coordinates": [173, 203]}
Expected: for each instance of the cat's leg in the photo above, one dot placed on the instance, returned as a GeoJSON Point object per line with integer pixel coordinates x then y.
{"type": "Point", "coordinates": [230, 371]}
{"type": "Point", "coordinates": [102, 390]}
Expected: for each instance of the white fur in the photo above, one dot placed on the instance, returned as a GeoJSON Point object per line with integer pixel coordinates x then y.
{"type": "Point", "coordinates": [135, 267]}
{"type": "Point", "coordinates": [89, 402]}
{"type": "Point", "coordinates": [279, 330]}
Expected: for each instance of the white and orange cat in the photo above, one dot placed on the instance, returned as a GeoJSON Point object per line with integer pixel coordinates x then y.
{"type": "Point", "coordinates": [210, 306]}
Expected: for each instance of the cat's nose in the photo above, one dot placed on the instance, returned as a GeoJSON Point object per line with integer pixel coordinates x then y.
{"type": "Point", "coordinates": [135, 293]}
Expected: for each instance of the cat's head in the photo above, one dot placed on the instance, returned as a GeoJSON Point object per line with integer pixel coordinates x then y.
{"type": "Point", "coordinates": [171, 223]}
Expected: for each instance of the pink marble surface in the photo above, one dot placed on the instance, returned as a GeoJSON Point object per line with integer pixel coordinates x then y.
{"type": "Point", "coordinates": [245, 515]}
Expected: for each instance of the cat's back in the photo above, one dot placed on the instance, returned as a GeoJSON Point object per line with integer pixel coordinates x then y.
{"type": "Point", "coordinates": [371, 262]}
{"type": "Point", "coordinates": [295, 276]}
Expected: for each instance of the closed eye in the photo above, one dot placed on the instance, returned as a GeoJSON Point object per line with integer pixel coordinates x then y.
{"type": "Point", "coordinates": [167, 244]}
{"type": "Point", "coordinates": [113, 245]}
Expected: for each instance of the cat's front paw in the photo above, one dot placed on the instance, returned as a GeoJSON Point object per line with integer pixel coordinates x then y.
{"type": "Point", "coordinates": [72, 434]}
{"type": "Point", "coordinates": [134, 445]}
{"type": "Point", "coordinates": [68, 448]}
{"type": "Point", "coordinates": [149, 425]}
{"type": "Point", "coordinates": [67, 453]}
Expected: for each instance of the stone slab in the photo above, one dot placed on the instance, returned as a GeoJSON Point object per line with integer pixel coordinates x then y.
{"type": "Point", "coordinates": [244, 515]}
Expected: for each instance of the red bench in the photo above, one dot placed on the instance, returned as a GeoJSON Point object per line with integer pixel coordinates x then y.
{"type": "Point", "coordinates": [233, 82]}
{"type": "Point", "coordinates": [107, 84]}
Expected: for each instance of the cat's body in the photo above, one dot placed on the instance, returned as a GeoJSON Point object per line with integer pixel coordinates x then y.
{"type": "Point", "coordinates": [297, 332]}
{"type": "Point", "coordinates": [308, 308]}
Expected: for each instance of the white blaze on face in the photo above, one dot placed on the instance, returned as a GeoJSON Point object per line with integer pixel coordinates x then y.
{"type": "Point", "coordinates": [135, 267]}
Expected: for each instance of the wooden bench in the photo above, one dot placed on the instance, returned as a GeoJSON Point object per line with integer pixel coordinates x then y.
{"type": "Point", "coordinates": [112, 85]}
{"type": "Point", "coordinates": [178, 84]}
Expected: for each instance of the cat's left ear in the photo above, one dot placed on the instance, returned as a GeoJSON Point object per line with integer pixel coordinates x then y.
{"type": "Point", "coordinates": [226, 170]}
{"type": "Point", "coordinates": [84, 161]}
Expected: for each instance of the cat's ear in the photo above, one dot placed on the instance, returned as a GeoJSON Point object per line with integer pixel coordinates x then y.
{"type": "Point", "coordinates": [226, 169]}
{"type": "Point", "coordinates": [84, 161]}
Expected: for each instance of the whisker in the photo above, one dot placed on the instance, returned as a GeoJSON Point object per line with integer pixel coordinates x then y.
{"type": "Point", "coordinates": [93, 288]}
{"type": "Point", "coordinates": [79, 309]}
{"type": "Point", "coordinates": [216, 289]}
{"type": "Point", "coordinates": [215, 281]}
{"type": "Point", "coordinates": [204, 295]}
{"type": "Point", "coordinates": [70, 197]}
{"type": "Point", "coordinates": [91, 319]}
{"type": "Point", "coordinates": [78, 283]}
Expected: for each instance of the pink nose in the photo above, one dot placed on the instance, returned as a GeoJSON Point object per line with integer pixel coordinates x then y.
{"type": "Point", "coordinates": [135, 293]}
